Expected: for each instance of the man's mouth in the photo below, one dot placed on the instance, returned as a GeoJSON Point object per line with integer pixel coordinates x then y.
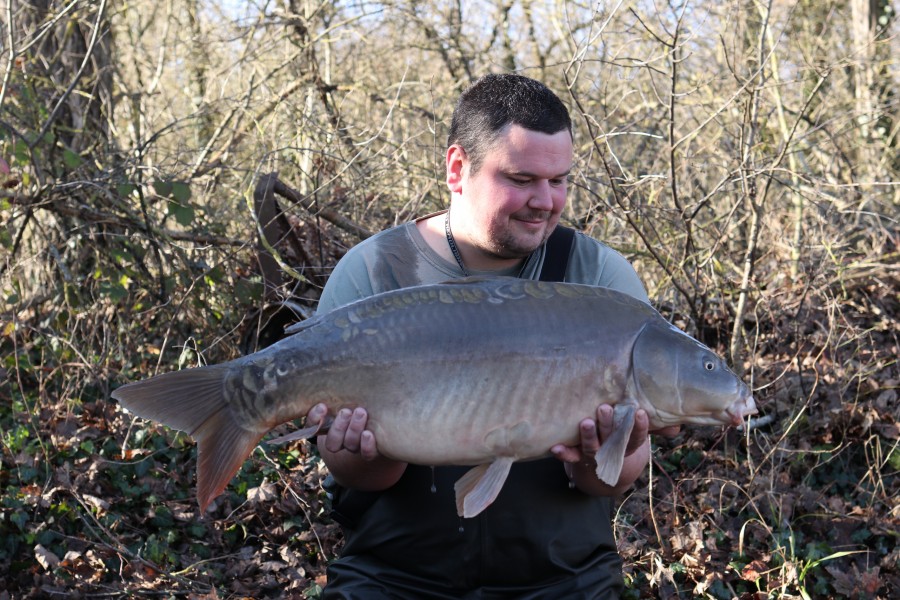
{"type": "Point", "coordinates": [533, 219]}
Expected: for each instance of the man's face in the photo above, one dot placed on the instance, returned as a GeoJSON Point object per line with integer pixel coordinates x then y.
{"type": "Point", "coordinates": [513, 202]}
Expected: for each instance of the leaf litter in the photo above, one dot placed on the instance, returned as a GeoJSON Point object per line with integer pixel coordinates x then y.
{"type": "Point", "coordinates": [803, 506]}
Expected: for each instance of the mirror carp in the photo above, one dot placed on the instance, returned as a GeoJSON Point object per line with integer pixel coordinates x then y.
{"type": "Point", "coordinates": [481, 372]}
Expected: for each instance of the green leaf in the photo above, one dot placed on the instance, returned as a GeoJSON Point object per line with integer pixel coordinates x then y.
{"type": "Point", "coordinates": [214, 276]}
{"type": "Point", "coordinates": [248, 291]}
{"type": "Point", "coordinates": [197, 530]}
{"type": "Point", "coordinates": [894, 459]}
{"type": "Point", "coordinates": [162, 517]}
{"type": "Point", "coordinates": [21, 152]}
{"type": "Point", "coordinates": [183, 213]}
{"type": "Point", "coordinates": [72, 159]}
{"type": "Point", "coordinates": [142, 467]}
{"type": "Point", "coordinates": [163, 188]}
{"type": "Point", "coordinates": [125, 189]}
{"type": "Point", "coordinates": [19, 518]}
{"type": "Point", "coordinates": [113, 291]}
{"type": "Point", "coordinates": [181, 192]}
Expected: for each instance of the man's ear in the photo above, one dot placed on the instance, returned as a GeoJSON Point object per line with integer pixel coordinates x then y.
{"type": "Point", "coordinates": [457, 162]}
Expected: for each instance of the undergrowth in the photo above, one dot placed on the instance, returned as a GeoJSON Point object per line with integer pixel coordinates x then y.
{"type": "Point", "coordinates": [800, 505]}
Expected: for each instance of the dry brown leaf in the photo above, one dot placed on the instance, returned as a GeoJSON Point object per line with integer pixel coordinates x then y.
{"type": "Point", "coordinates": [47, 559]}
{"type": "Point", "coordinates": [265, 492]}
{"type": "Point", "coordinates": [754, 570]}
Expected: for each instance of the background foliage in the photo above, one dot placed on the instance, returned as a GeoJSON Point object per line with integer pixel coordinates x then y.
{"type": "Point", "coordinates": [744, 155]}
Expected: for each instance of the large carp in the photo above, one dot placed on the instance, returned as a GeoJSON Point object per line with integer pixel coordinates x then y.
{"type": "Point", "coordinates": [479, 372]}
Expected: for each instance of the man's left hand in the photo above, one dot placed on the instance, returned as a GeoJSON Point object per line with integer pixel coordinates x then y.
{"type": "Point", "coordinates": [580, 459]}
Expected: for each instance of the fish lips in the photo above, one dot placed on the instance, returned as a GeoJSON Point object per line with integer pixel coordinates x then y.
{"type": "Point", "coordinates": [742, 407]}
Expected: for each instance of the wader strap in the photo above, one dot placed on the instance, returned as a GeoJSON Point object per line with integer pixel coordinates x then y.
{"type": "Point", "coordinates": [556, 255]}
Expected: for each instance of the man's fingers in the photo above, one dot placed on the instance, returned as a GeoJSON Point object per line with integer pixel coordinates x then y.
{"type": "Point", "coordinates": [347, 430]}
{"type": "Point", "coordinates": [639, 432]}
{"type": "Point", "coordinates": [355, 429]}
{"type": "Point", "coordinates": [316, 414]}
{"type": "Point", "coordinates": [593, 434]}
{"type": "Point", "coordinates": [590, 440]}
{"type": "Point", "coordinates": [566, 453]}
{"type": "Point", "coordinates": [367, 447]}
{"type": "Point", "coordinates": [334, 441]}
{"type": "Point", "coordinates": [604, 421]}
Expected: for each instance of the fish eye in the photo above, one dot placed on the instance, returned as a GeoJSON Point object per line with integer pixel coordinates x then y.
{"type": "Point", "coordinates": [709, 365]}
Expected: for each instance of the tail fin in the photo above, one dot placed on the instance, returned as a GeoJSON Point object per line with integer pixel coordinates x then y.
{"type": "Point", "coordinates": [193, 401]}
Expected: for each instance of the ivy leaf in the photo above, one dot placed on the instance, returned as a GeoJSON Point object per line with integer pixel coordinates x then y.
{"type": "Point", "coordinates": [248, 291]}
{"type": "Point", "coordinates": [21, 153]}
{"type": "Point", "coordinates": [113, 290]}
{"type": "Point", "coordinates": [72, 159]}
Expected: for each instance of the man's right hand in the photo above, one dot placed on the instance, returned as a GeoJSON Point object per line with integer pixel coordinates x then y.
{"type": "Point", "coordinates": [348, 432]}
{"type": "Point", "coordinates": [351, 453]}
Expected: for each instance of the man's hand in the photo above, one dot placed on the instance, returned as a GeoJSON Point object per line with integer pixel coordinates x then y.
{"type": "Point", "coordinates": [348, 432]}
{"type": "Point", "coordinates": [351, 453]}
{"type": "Point", "coordinates": [580, 462]}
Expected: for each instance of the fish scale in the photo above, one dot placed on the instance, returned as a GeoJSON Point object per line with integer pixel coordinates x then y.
{"type": "Point", "coordinates": [479, 372]}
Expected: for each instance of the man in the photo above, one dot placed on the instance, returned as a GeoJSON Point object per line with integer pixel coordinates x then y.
{"type": "Point", "coordinates": [549, 532]}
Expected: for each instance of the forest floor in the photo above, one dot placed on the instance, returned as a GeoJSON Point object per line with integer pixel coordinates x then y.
{"type": "Point", "coordinates": [803, 505]}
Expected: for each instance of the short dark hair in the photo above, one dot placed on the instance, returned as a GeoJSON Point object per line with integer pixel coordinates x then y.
{"type": "Point", "coordinates": [495, 101]}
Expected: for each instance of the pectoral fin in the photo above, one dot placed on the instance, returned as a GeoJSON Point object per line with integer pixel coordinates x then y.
{"type": "Point", "coordinates": [611, 455]}
{"type": "Point", "coordinates": [305, 433]}
{"type": "Point", "coordinates": [480, 485]}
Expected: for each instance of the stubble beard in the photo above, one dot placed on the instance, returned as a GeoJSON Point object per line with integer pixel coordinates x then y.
{"type": "Point", "coordinates": [508, 246]}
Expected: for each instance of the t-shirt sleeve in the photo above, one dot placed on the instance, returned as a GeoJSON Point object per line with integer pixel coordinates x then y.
{"type": "Point", "coordinates": [348, 282]}
{"type": "Point", "coordinates": [594, 263]}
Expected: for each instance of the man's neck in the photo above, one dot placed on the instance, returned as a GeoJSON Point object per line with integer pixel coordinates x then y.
{"type": "Point", "coordinates": [473, 259]}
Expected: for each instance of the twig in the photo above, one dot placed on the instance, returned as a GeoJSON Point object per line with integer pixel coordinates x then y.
{"type": "Point", "coordinates": [11, 59]}
{"type": "Point", "coordinates": [616, 192]}
{"type": "Point", "coordinates": [95, 215]}
{"type": "Point", "coordinates": [87, 56]}
{"type": "Point", "coordinates": [48, 25]}
{"type": "Point", "coordinates": [331, 216]}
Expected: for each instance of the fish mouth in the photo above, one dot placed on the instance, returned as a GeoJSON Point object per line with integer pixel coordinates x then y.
{"type": "Point", "coordinates": [741, 408]}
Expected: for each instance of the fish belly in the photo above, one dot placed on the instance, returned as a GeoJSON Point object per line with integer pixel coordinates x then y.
{"type": "Point", "coordinates": [457, 382]}
{"type": "Point", "coordinates": [469, 411]}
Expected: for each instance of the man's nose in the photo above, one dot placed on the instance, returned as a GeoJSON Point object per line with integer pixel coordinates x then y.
{"type": "Point", "coordinates": [541, 195]}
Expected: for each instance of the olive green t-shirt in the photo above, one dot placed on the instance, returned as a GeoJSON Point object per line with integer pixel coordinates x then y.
{"type": "Point", "coordinates": [399, 257]}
